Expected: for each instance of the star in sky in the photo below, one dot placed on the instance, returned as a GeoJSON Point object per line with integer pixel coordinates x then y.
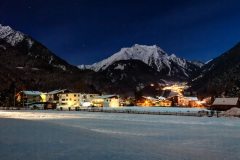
{"type": "Point", "coordinates": [194, 30]}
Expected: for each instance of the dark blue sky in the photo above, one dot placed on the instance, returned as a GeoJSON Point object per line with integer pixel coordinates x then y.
{"type": "Point", "coordinates": [87, 31]}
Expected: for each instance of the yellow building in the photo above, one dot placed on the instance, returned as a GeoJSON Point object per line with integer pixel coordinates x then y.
{"type": "Point", "coordinates": [29, 96]}
{"type": "Point", "coordinates": [53, 95]}
{"type": "Point", "coordinates": [75, 99]}
{"type": "Point", "coordinates": [146, 101]}
{"type": "Point", "coordinates": [165, 103]}
{"type": "Point", "coordinates": [106, 101]}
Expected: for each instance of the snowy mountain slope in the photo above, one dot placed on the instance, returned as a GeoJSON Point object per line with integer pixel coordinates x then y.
{"type": "Point", "coordinates": [13, 37]}
{"type": "Point", "coordinates": [153, 56]}
{"type": "Point", "coordinates": [30, 46]}
{"type": "Point", "coordinates": [220, 76]}
{"type": "Point", "coordinates": [27, 63]}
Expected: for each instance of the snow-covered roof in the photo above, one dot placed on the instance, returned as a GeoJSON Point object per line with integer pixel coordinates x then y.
{"type": "Point", "coordinates": [106, 96]}
{"type": "Point", "coordinates": [161, 97]}
{"type": "Point", "coordinates": [225, 101]}
{"type": "Point", "coordinates": [192, 98]}
{"type": "Point", "coordinates": [57, 91]}
{"type": "Point", "coordinates": [150, 98]}
{"type": "Point", "coordinates": [36, 93]}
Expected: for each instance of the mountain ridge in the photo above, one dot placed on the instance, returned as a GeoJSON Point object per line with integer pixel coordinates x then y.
{"type": "Point", "coordinates": [29, 65]}
{"type": "Point", "coordinates": [220, 77]}
{"type": "Point", "coordinates": [154, 56]}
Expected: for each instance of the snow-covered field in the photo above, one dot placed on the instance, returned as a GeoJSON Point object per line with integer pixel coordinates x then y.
{"type": "Point", "coordinates": [40, 134]}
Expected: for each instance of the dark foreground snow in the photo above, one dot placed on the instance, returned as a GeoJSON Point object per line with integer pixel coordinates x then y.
{"type": "Point", "coordinates": [86, 135]}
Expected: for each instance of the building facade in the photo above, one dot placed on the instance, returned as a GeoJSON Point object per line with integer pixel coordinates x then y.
{"type": "Point", "coordinates": [106, 101]}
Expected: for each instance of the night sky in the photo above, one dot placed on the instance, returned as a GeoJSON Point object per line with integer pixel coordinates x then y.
{"type": "Point", "coordinates": [87, 31]}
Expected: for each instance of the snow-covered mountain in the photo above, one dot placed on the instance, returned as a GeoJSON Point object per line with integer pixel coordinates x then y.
{"type": "Point", "coordinates": [220, 76]}
{"type": "Point", "coordinates": [27, 63]}
{"type": "Point", "coordinates": [153, 56]}
{"type": "Point", "coordinates": [16, 38]}
{"type": "Point", "coordinates": [13, 37]}
{"type": "Point", "coordinates": [139, 65]}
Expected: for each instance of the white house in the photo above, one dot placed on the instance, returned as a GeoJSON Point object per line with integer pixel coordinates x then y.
{"type": "Point", "coordinates": [53, 95]}
{"type": "Point", "coordinates": [76, 99]}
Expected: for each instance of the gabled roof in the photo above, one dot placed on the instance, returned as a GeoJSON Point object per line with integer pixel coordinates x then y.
{"type": "Point", "coordinates": [36, 93]}
{"type": "Point", "coordinates": [225, 101]}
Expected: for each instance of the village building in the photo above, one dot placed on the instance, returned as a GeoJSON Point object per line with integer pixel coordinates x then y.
{"type": "Point", "coordinates": [223, 104]}
{"type": "Point", "coordinates": [164, 103]}
{"type": "Point", "coordinates": [76, 99]}
{"type": "Point", "coordinates": [53, 95]}
{"type": "Point", "coordinates": [29, 96]}
{"type": "Point", "coordinates": [185, 101]}
{"type": "Point", "coordinates": [87, 97]}
{"type": "Point", "coordinates": [193, 102]}
{"type": "Point", "coordinates": [106, 101]}
{"type": "Point", "coordinates": [146, 101]}
{"type": "Point", "coordinates": [179, 101]}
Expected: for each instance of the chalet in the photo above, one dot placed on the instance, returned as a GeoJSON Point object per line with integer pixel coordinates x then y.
{"type": "Point", "coordinates": [193, 102]}
{"type": "Point", "coordinates": [29, 96]}
{"type": "Point", "coordinates": [223, 104]}
{"type": "Point", "coordinates": [106, 101]}
{"type": "Point", "coordinates": [179, 101]}
{"type": "Point", "coordinates": [164, 103]}
{"type": "Point", "coordinates": [146, 101]}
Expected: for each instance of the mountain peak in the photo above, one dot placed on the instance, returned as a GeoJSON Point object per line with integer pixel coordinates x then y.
{"type": "Point", "coordinates": [145, 53]}
{"type": "Point", "coordinates": [153, 56]}
{"type": "Point", "coordinates": [11, 36]}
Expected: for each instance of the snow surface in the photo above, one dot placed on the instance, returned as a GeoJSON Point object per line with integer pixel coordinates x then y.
{"type": "Point", "coordinates": [120, 67]}
{"type": "Point", "coordinates": [233, 112]}
{"type": "Point", "coordinates": [40, 134]}
{"type": "Point", "coordinates": [61, 67]}
{"type": "Point", "coordinates": [3, 47]}
{"type": "Point", "coordinates": [208, 61]}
